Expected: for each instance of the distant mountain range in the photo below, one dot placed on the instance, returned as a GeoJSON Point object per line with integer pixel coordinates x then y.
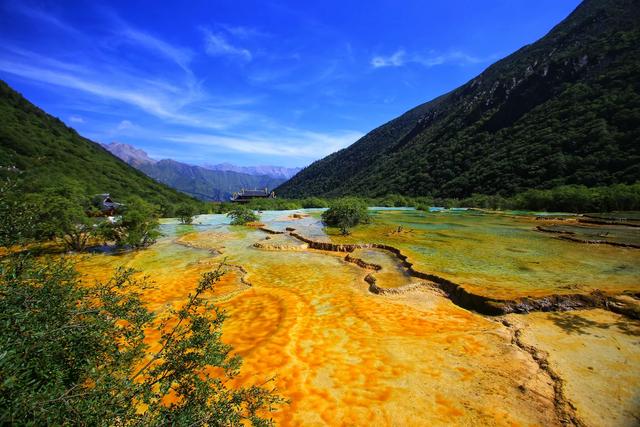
{"type": "Point", "coordinates": [213, 183]}
{"type": "Point", "coordinates": [563, 110]}
{"type": "Point", "coordinates": [272, 171]}
{"type": "Point", "coordinates": [133, 155]}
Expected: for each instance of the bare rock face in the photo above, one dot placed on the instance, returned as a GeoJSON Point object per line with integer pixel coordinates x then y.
{"type": "Point", "coordinates": [130, 154]}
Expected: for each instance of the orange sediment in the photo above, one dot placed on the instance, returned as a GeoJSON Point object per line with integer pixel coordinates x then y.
{"type": "Point", "coordinates": [342, 355]}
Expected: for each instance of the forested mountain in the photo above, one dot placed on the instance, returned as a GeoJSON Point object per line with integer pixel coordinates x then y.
{"type": "Point", "coordinates": [200, 182]}
{"type": "Point", "coordinates": [563, 110]}
{"type": "Point", "coordinates": [41, 152]}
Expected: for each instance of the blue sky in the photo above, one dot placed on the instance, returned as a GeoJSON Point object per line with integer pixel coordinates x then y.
{"type": "Point", "coordinates": [264, 82]}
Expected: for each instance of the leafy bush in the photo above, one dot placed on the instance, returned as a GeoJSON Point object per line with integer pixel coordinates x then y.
{"type": "Point", "coordinates": [242, 215]}
{"type": "Point", "coordinates": [137, 227]}
{"type": "Point", "coordinates": [16, 217]}
{"type": "Point", "coordinates": [185, 213]}
{"type": "Point", "coordinates": [346, 213]}
{"type": "Point", "coordinates": [76, 354]}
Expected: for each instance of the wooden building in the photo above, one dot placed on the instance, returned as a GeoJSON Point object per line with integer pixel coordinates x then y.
{"type": "Point", "coordinates": [244, 195]}
{"type": "Point", "coordinates": [105, 204]}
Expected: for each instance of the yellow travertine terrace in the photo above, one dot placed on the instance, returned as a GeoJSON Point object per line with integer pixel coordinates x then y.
{"type": "Point", "coordinates": [409, 355]}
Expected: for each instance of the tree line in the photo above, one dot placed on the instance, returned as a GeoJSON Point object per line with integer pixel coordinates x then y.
{"type": "Point", "coordinates": [566, 198]}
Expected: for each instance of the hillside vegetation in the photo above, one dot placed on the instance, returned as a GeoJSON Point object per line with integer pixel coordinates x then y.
{"type": "Point", "coordinates": [564, 110]}
{"type": "Point", "coordinates": [41, 152]}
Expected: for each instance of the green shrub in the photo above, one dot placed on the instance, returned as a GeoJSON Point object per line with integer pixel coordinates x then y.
{"type": "Point", "coordinates": [346, 213]}
{"type": "Point", "coordinates": [314, 202]}
{"type": "Point", "coordinates": [241, 215]}
{"type": "Point", "coordinates": [137, 227]}
{"type": "Point", "coordinates": [76, 354]}
{"type": "Point", "coordinates": [186, 212]}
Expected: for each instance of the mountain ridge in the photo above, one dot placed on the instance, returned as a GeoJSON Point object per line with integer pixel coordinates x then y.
{"type": "Point", "coordinates": [196, 181]}
{"type": "Point", "coordinates": [557, 111]}
{"type": "Point", "coordinates": [269, 170]}
{"type": "Point", "coordinates": [132, 154]}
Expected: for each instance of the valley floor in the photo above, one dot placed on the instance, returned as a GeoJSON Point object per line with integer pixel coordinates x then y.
{"type": "Point", "coordinates": [410, 354]}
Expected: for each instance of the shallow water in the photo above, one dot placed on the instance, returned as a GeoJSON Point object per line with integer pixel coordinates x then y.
{"type": "Point", "coordinates": [500, 254]}
{"type": "Point", "coordinates": [345, 356]}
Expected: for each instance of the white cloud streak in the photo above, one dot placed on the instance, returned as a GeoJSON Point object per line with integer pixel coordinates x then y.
{"type": "Point", "coordinates": [125, 125]}
{"type": "Point", "coordinates": [243, 32]}
{"type": "Point", "coordinates": [180, 56]}
{"type": "Point", "coordinates": [397, 59]}
{"type": "Point", "coordinates": [216, 44]}
{"type": "Point", "coordinates": [293, 143]}
{"type": "Point", "coordinates": [154, 97]}
{"type": "Point", "coordinates": [401, 58]}
{"type": "Point", "coordinates": [38, 14]}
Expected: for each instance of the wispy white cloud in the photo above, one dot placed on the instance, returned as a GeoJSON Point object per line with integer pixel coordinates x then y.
{"type": "Point", "coordinates": [181, 56]}
{"type": "Point", "coordinates": [397, 59]}
{"type": "Point", "coordinates": [36, 13]}
{"type": "Point", "coordinates": [125, 125]}
{"type": "Point", "coordinates": [431, 59]}
{"type": "Point", "coordinates": [157, 98]}
{"type": "Point", "coordinates": [76, 119]}
{"type": "Point", "coordinates": [455, 57]}
{"type": "Point", "coordinates": [244, 32]}
{"type": "Point", "coordinates": [216, 44]}
{"type": "Point", "coordinates": [142, 99]}
{"type": "Point", "coordinates": [290, 143]}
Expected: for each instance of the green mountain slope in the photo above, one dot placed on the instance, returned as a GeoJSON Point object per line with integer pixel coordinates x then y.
{"type": "Point", "coordinates": [43, 151]}
{"type": "Point", "coordinates": [563, 110]}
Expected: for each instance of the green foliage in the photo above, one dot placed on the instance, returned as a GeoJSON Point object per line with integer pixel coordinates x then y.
{"type": "Point", "coordinates": [561, 111]}
{"type": "Point", "coordinates": [16, 216]}
{"type": "Point", "coordinates": [568, 198]}
{"type": "Point", "coordinates": [75, 354]}
{"type": "Point", "coordinates": [185, 213]}
{"type": "Point", "coordinates": [44, 152]}
{"type": "Point", "coordinates": [54, 213]}
{"type": "Point", "coordinates": [578, 198]}
{"type": "Point", "coordinates": [62, 214]}
{"type": "Point", "coordinates": [136, 227]}
{"type": "Point", "coordinates": [314, 202]}
{"type": "Point", "coordinates": [241, 215]}
{"type": "Point", "coordinates": [346, 213]}
{"type": "Point", "coordinates": [563, 198]}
